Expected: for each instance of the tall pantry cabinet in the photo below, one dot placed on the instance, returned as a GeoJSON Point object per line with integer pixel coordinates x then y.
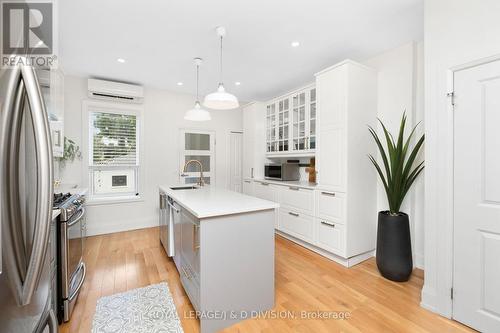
{"type": "Point", "coordinates": [254, 140]}
{"type": "Point", "coordinates": [347, 104]}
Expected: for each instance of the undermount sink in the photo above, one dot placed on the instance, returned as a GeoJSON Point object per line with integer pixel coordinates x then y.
{"type": "Point", "coordinates": [187, 187]}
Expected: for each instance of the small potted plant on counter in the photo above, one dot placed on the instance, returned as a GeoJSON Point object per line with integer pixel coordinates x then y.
{"type": "Point", "coordinates": [399, 171]}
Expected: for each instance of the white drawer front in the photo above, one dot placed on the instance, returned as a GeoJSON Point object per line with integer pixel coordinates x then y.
{"type": "Point", "coordinates": [296, 224]}
{"type": "Point", "coordinates": [265, 191]}
{"type": "Point", "coordinates": [331, 236]}
{"type": "Point", "coordinates": [331, 205]}
{"type": "Point", "coordinates": [298, 199]}
{"type": "Point", "coordinates": [248, 187]}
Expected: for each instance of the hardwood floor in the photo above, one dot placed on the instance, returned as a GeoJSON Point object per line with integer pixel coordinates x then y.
{"type": "Point", "coordinates": [305, 281]}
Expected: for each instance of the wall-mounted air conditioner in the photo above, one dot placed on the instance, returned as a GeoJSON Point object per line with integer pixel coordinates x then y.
{"type": "Point", "coordinates": [115, 91]}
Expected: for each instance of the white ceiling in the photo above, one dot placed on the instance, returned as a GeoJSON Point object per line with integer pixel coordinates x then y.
{"type": "Point", "coordinates": [159, 39]}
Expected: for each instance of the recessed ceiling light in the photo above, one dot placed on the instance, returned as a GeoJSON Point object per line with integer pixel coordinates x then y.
{"type": "Point", "coordinates": [180, 83]}
{"type": "Point", "coordinates": [121, 60]}
{"type": "Point", "coordinates": [295, 43]}
{"type": "Point", "coordinates": [237, 83]}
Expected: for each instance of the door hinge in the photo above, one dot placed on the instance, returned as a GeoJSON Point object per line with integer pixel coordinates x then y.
{"type": "Point", "coordinates": [451, 293]}
{"type": "Point", "coordinates": [451, 95]}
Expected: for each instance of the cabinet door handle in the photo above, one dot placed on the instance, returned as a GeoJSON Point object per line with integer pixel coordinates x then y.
{"type": "Point", "coordinates": [293, 214]}
{"type": "Point", "coordinates": [251, 173]}
{"type": "Point", "coordinates": [328, 193]}
{"type": "Point", "coordinates": [328, 224]}
{"type": "Point", "coordinates": [195, 233]}
{"type": "Point", "coordinates": [293, 188]}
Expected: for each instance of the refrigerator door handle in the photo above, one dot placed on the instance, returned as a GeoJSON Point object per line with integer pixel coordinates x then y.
{"type": "Point", "coordinates": [12, 186]}
{"type": "Point", "coordinates": [52, 322]}
{"type": "Point", "coordinates": [44, 198]}
{"type": "Point", "coordinates": [48, 320]}
{"type": "Point", "coordinates": [26, 273]}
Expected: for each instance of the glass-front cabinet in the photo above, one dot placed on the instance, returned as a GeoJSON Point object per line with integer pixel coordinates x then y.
{"type": "Point", "coordinates": [283, 125]}
{"type": "Point", "coordinates": [311, 140]}
{"type": "Point", "coordinates": [291, 123]}
{"type": "Point", "coordinates": [271, 140]}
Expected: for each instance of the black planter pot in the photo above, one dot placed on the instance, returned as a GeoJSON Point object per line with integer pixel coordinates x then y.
{"type": "Point", "coordinates": [394, 258]}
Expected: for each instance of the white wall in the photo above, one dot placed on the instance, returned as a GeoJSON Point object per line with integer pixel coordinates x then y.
{"type": "Point", "coordinates": [400, 88]}
{"type": "Point", "coordinates": [456, 32]}
{"type": "Point", "coordinates": [162, 118]}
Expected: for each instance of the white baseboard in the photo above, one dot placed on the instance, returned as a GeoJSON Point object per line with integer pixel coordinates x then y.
{"type": "Point", "coordinates": [419, 260]}
{"type": "Point", "coordinates": [347, 262]}
{"type": "Point", "coordinates": [108, 227]}
{"type": "Point", "coordinates": [428, 299]}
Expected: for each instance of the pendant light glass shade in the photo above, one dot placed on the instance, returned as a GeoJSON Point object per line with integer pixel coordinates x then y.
{"type": "Point", "coordinates": [197, 113]}
{"type": "Point", "coordinates": [221, 100]}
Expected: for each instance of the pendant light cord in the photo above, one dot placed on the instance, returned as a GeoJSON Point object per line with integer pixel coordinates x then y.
{"type": "Point", "coordinates": [197, 80]}
{"type": "Point", "coordinates": [220, 74]}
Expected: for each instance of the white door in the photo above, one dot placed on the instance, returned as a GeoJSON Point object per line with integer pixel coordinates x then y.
{"type": "Point", "coordinates": [476, 276]}
{"type": "Point", "coordinates": [197, 145]}
{"type": "Point", "coordinates": [235, 160]}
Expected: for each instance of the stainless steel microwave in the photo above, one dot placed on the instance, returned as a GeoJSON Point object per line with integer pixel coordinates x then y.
{"type": "Point", "coordinates": [284, 171]}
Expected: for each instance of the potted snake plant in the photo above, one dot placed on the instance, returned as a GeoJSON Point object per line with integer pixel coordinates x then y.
{"type": "Point", "coordinates": [398, 173]}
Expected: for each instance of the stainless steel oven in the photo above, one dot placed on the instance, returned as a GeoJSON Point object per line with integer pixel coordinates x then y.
{"type": "Point", "coordinates": [283, 171]}
{"type": "Point", "coordinates": [70, 249]}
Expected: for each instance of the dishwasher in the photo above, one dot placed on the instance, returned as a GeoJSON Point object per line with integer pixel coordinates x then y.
{"type": "Point", "coordinates": [167, 224]}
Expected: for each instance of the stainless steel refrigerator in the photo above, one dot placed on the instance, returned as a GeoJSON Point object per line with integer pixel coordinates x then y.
{"type": "Point", "coordinates": [26, 177]}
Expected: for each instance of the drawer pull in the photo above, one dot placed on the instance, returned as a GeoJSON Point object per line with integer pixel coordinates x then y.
{"type": "Point", "coordinates": [328, 224]}
{"type": "Point", "coordinates": [293, 188]}
{"type": "Point", "coordinates": [328, 193]}
{"type": "Point", "coordinates": [293, 214]}
{"type": "Point", "coordinates": [265, 184]}
{"type": "Point", "coordinates": [247, 181]}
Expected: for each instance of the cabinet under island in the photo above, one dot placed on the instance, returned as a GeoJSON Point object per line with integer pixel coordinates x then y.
{"type": "Point", "coordinates": [223, 247]}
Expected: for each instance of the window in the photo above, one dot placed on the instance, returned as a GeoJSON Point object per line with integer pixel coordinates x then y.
{"type": "Point", "coordinates": [113, 152]}
{"type": "Point", "coordinates": [200, 146]}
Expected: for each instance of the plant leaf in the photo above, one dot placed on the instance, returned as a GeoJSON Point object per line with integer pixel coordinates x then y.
{"type": "Point", "coordinates": [413, 156]}
{"type": "Point", "coordinates": [400, 170]}
{"type": "Point", "coordinates": [381, 174]}
{"type": "Point", "coordinates": [383, 154]}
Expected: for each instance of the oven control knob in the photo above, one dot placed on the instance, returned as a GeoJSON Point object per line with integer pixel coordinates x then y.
{"type": "Point", "coordinates": [79, 201]}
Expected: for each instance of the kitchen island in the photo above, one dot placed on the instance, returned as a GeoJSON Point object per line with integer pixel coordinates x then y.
{"type": "Point", "coordinates": [224, 252]}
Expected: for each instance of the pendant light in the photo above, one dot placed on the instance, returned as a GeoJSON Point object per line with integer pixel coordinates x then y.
{"type": "Point", "coordinates": [221, 100]}
{"type": "Point", "coordinates": [197, 113]}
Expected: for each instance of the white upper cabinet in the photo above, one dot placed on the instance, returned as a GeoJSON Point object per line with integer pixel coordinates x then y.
{"type": "Point", "coordinates": [52, 87]}
{"type": "Point", "coordinates": [283, 125]}
{"type": "Point", "coordinates": [254, 140]}
{"type": "Point", "coordinates": [271, 139]}
{"type": "Point", "coordinates": [291, 124]}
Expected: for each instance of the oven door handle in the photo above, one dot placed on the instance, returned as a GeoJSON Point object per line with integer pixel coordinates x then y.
{"type": "Point", "coordinates": [82, 212]}
{"type": "Point", "coordinates": [80, 284]}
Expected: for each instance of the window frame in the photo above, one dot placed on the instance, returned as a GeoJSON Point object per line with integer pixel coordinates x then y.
{"type": "Point", "coordinates": [89, 106]}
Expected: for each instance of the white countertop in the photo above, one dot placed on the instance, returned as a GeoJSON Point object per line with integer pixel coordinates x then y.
{"type": "Point", "coordinates": [212, 201]}
{"type": "Point", "coordinates": [297, 183]}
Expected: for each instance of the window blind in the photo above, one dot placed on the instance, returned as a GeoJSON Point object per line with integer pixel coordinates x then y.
{"type": "Point", "coordinates": [114, 139]}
